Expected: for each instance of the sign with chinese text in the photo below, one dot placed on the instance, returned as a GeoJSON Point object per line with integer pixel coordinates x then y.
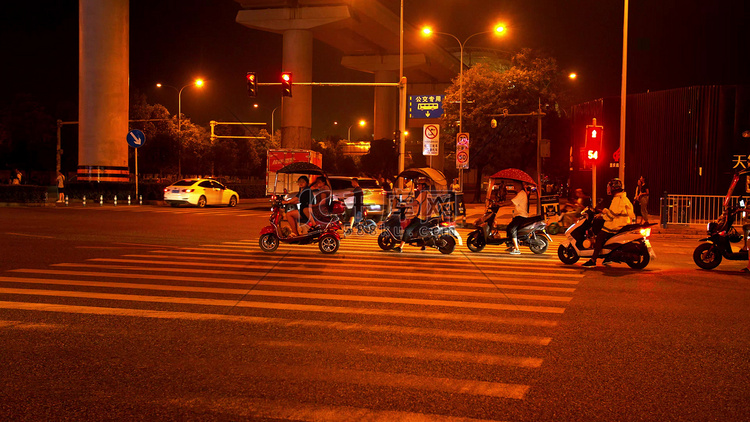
{"type": "Point", "coordinates": [462, 151]}
{"type": "Point", "coordinates": [430, 139]}
{"type": "Point", "coordinates": [425, 106]}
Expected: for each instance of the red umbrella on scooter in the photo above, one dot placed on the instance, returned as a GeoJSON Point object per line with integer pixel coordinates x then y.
{"type": "Point", "coordinates": [514, 174]}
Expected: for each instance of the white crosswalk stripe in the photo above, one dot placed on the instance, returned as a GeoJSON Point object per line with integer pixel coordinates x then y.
{"type": "Point", "coordinates": [461, 310]}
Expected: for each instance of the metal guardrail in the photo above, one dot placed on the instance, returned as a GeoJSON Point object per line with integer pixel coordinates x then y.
{"type": "Point", "coordinates": [693, 209]}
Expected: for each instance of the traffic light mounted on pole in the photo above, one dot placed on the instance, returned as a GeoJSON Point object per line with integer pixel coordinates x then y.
{"type": "Point", "coordinates": [252, 84]}
{"type": "Point", "coordinates": [594, 135]}
{"type": "Point", "coordinates": [286, 84]}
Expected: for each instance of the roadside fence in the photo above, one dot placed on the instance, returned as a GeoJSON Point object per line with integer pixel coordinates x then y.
{"type": "Point", "coordinates": [692, 209]}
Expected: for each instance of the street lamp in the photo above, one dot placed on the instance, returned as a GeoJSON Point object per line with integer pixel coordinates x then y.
{"type": "Point", "coordinates": [361, 123]}
{"type": "Point", "coordinates": [427, 31]}
{"type": "Point", "coordinates": [272, 112]}
{"type": "Point", "coordinates": [197, 83]}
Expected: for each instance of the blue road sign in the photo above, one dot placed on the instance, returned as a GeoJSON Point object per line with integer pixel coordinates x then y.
{"type": "Point", "coordinates": [425, 106]}
{"type": "Point", "coordinates": [136, 138]}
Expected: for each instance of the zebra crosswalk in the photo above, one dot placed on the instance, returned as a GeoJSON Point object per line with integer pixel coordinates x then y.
{"type": "Point", "coordinates": [418, 326]}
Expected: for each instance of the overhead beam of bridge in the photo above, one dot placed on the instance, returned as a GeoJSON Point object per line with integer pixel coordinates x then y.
{"type": "Point", "coordinates": [367, 32]}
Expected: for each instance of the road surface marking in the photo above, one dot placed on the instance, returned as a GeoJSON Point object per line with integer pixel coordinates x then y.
{"type": "Point", "coordinates": [285, 322]}
{"type": "Point", "coordinates": [251, 408]}
{"type": "Point", "coordinates": [416, 353]}
{"type": "Point", "coordinates": [485, 319]}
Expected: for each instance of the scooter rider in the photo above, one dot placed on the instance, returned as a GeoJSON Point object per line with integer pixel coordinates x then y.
{"type": "Point", "coordinates": [520, 217]}
{"type": "Point", "coordinates": [304, 198]}
{"type": "Point", "coordinates": [420, 210]}
{"type": "Point", "coordinates": [619, 214]}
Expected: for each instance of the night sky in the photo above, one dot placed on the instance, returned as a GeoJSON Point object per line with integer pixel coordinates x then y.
{"type": "Point", "coordinates": [672, 44]}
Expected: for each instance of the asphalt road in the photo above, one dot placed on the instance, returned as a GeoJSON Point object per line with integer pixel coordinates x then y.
{"type": "Point", "coordinates": [155, 313]}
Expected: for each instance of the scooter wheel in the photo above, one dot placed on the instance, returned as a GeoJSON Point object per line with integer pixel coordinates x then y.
{"type": "Point", "coordinates": [707, 256]}
{"type": "Point", "coordinates": [447, 244]}
{"type": "Point", "coordinates": [567, 255]}
{"type": "Point", "coordinates": [386, 241]}
{"type": "Point", "coordinates": [370, 227]}
{"type": "Point", "coordinates": [268, 242]}
{"type": "Point", "coordinates": [641, 261]}
{"type": "Point", "coordinates": [539, 245]}
{"type": "Point", "coordinates": [328, 244]}
{"type": "Point", "coordinates": [475, 242]}
{"type": "Point", "coordinates": [553, 228]}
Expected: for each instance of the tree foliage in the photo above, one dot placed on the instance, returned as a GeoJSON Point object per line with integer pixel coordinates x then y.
{"type": "Point", "coordinates": [488, 89]}
{"type": "Point", "coordinates": [236, 157]}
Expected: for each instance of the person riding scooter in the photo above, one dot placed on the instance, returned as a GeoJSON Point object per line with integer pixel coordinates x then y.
{"type": "Point", "coordinates": [304, 198]}
{"type": "Point", "coordinates": [420, 212]}
{"type": "Point", "coordinates": [619, 214]}
{"type": "Point", "coordinates": [520, 217]}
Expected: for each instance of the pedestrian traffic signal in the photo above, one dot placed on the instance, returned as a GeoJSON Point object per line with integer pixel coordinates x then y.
{"type": "Point", "coordinates": [594, 135]}
{"type": "Point", "coordinates": [252, 84]}
{"type": "Point", "coordinates": [286, 84]}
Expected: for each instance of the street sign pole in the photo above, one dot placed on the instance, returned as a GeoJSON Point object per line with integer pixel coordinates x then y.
{"type": "Point", "coordinates": [136, 172]}
{"type": "Point", "coordinates": [136, 139]}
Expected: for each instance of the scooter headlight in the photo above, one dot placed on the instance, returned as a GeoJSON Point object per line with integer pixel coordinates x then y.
{"type": "Point", "coordinates": [646, 232]}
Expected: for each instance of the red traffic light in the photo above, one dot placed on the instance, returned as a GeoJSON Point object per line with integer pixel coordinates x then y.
{"type": "Point", "coordinates": [286, 84]}
{"type": "Point", "coordinates": [594, 136]}
{"type": "Point", "coordinates": [252, 84]}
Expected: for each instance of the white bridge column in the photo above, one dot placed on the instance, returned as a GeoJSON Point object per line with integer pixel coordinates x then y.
{"type": "Point", "coordinates": [103, 55]}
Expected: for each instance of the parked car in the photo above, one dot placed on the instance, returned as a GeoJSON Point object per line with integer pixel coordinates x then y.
{"type": "Point", "coordinates": [375, 198]}
{"type": "Point", "coordinates": [200, 192]}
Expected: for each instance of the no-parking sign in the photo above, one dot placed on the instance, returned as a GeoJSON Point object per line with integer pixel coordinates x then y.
{"type": "Point", "coordinates": [430, 139]}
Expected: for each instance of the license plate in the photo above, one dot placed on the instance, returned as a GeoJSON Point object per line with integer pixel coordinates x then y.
{"type": "Point", "coordinates": [175, 191]}
{"type": "Point", "coordinates": [651, 252]}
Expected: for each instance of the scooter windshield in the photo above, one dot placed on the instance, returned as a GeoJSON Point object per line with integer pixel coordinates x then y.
{"type": "Point", "coordinates": [731, 190]}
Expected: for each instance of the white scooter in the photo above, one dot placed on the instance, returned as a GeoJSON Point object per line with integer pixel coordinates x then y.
{"type": "Point", "coordinates": [629, 245]}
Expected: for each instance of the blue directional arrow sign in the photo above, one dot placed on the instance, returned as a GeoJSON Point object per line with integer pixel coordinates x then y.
{"type": "Point", "coordinates": [136, 138]}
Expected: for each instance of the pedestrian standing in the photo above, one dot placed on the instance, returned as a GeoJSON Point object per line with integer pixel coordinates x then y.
{"type": "Point", "coordinates": [641, 196]}
{"type": "Point", "coordinates": [359, 204]}
{"type": "Point", "coordinates": [455, 186]}
{"type": "Point", "coordinates": [16, 177]}
{"type": "Point", "coordinates": [60, 186]}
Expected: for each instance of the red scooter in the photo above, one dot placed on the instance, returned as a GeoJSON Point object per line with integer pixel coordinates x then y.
{"type": "Point", "coordinates": [325, 233]}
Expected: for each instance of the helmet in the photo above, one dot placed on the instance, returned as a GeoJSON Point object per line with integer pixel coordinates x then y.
{"type": "Point", "coordinates": [614, 186]}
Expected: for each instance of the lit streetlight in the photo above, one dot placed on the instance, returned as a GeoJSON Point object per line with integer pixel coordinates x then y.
{"type": "Point", "coordinates": [197, 83]}
{"type": "Point", "coordinates": [499, 30]}
{"type": "Point", "coordinates": [573, 75]}
{"type": "Point", "coordinates": [361, 123]}
{"type": "Point", "coordinates": [272, 112]}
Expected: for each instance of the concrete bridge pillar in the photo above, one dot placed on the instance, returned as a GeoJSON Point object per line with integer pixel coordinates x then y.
{"type": "Point", "coordinates": [385, 69]}
{"type": "Point", "coordinates": [103, 54]}
{"type": "Point", "coordinates": [386, 105]}
{"type": "Point", "coordinates": [296, 111]}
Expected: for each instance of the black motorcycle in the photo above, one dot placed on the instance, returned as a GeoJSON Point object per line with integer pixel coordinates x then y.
{"type": "Point", "coordinates": [721, 235]}
{"type": "Point", "coordinates": [532, 234]}
{"type": "Point", "coordinates": [433, 233]}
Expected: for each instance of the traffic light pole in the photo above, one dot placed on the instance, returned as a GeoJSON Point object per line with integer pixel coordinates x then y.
{"type": "Point", "coordinates": [593, 184]}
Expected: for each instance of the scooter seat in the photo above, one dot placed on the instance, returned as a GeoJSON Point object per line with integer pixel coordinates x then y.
{"type": "Point", "coordinates": [534, 219]}
{"type": "Point", "coordinates": [629, 227]}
